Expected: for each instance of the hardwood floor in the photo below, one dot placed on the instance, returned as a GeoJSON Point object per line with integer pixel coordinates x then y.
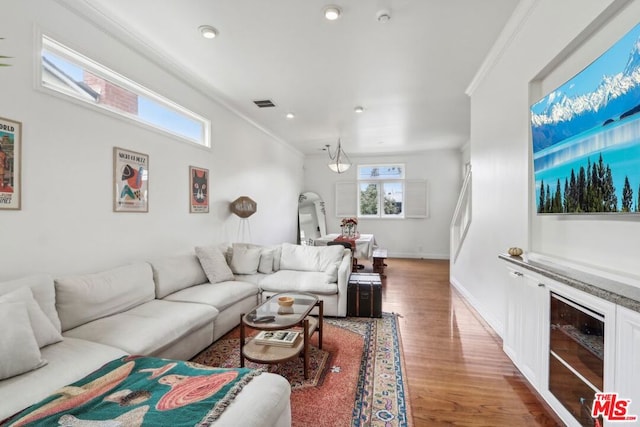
{"type": "Point", "coordinates": [458, 374]}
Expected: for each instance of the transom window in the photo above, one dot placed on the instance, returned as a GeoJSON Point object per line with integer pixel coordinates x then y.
{"type": "Point", "coordinates": [381, 191]}
{"type": "Point", "coordinates": [70, 73]}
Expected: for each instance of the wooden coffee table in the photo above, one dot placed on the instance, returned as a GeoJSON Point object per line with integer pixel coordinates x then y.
{"type": "Point", "coordinates": [283, 318]}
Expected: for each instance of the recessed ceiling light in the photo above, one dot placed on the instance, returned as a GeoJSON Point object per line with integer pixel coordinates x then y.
{"type": "Point", "coordinates": [290, 115]}
{"type": "Point", "coordinates": [358, 109]}
{"type": "Point", "coordinates": [207, 31]}
{"type": "Point", "coordinates": [332, 12]}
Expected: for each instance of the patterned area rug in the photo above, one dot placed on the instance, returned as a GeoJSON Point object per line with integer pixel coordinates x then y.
{"type": "Point", "coordinates": [357, 379]}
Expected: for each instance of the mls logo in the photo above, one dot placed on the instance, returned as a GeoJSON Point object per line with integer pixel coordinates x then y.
{"type": "Point", "coordinates": [611, 408]}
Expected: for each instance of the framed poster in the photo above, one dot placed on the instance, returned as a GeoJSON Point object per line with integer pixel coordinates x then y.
{"type": "Point", "coordinates": [130, 181]}
{"type": "Point", "coordinates": [198, 190]}
{"type": "Point", "coordinates": [10, 164]}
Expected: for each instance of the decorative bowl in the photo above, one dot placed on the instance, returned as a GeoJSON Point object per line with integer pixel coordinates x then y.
{"type": "Point", "coordinates": [285, 301]}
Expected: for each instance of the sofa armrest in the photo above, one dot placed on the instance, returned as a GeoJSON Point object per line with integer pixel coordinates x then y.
{"type": "Point", "coordinates": [344, 271]}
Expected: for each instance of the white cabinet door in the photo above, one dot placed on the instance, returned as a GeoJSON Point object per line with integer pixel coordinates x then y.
{"type": "Point", "coordinates": [523, 339]}
{"type": "Point", "coordinates": [511, 342]}
{"type": "Point", "coordinates": [627, 367]}
{"type": "Point", "coordinates": [532, 323]}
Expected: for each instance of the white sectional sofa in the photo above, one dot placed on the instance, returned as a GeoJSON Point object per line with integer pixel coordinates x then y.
{"type": "Point", "coordinates": [321, 270]}
{"type": "Point", "coordinates": [172, 307]}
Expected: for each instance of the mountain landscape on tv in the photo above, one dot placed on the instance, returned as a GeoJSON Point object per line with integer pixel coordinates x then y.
{"type": "Point", "coordinates": [586, 136]}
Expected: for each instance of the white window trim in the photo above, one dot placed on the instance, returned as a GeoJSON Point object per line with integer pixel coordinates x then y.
{"type": "Point", "coordinates": [380, 183]}
{"type": "Point", "coordinates": [108, 74]}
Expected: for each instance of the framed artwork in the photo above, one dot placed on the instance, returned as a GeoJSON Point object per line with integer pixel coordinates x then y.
{"type": "Point", "coordinates": [10, 164]}
{"type": "Point", "coordinates": [198, 190]}
{"type": "Point", "coordinates": [130, 181]}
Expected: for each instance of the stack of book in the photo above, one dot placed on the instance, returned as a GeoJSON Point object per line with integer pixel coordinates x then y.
{"type": "Point", "coordinates": [279, 338]}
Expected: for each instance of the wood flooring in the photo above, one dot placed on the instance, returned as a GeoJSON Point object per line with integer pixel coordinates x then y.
{"type": "Point", "coordinates": [458, 374]}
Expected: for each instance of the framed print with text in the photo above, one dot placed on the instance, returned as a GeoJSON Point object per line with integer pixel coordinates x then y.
{"type": "Point", "coordinates": [10, 164]}
{"type": "Point", "coordinates": [130, 181]}
{"type": "Point", "coordinates": [198, 190]}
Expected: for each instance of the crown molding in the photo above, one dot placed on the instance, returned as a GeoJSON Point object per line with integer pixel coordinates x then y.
{"type": "Point", "coordinates": [511, 29]}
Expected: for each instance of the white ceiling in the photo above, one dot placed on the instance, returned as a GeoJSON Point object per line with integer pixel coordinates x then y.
{"type": "Point", "coordinates": [409, 74]}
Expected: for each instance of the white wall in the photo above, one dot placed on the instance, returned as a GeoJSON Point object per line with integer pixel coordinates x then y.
{"type": "Point", "coordinates": [500, 161]}
{"type": "Point", "coordinates": [410, 238]}
{"type": "Point", "coordinates": [66, 224]}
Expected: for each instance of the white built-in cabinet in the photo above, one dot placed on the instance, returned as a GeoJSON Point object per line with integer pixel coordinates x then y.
{"type": "Point", "coordinates": [526, 338]}
{"type": "Point", "coordinates": [627, 364]}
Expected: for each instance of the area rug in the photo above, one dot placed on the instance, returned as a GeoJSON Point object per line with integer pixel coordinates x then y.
{"type": "Point", "coordinates": [357, 379]}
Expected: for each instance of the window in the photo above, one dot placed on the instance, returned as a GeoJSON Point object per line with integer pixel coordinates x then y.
{"type": "Point", "coordinates": [66, 71]}
{"type": "Point", "coordinates": [381, 191]}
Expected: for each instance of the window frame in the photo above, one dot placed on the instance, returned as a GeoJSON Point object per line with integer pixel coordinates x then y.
{"type": "Point", "coordinates": [56, 48]}
{"type": "Point", "coordinates": [380, 182]}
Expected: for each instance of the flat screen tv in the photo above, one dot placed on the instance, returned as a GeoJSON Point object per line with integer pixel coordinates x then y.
{"type": "Point", "coordinates": [586, 137]}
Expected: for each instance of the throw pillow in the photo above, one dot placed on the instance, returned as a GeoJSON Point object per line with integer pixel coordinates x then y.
{"type": "Point", "coordinates": [18, 346]}
{"type": "Point", "coordinates": [266, 261]}
{"type": "Point", "coordinates": [214, 264]}
{"type": "Point", "coordinates": [43, 330]}
{"type": "Point", "coordinates": [245, 260]}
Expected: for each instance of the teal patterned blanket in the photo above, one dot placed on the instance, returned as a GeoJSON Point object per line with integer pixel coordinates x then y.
{"type": "Point", "coordinates": [139, 391]}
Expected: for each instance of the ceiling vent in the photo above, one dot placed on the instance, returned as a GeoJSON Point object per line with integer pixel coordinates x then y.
{"type": "Point", "coordinates": [264, 103]}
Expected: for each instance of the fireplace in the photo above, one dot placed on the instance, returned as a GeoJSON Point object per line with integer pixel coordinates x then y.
{"type": "Point", "coordinates": [576, 356]}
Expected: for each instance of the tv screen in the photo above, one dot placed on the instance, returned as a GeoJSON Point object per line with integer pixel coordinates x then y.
{"type": "Point", "coordinates": [586, 137]}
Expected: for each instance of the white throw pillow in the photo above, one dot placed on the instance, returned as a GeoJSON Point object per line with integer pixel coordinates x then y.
{"type": "Point", "coordinates": [245, 260]}
{"type": "Point", "coordinates": [19, 352]}
{"type": "Point", "coordinates": [309, 258]}
{"type": "Point", "coordinates": [44, 292]}
{"type": "Point", "coordinates": [266, 261]}
{"type": "Point", "coordinates": [43, 329]}
{"type": "Point", "coordinates": [276, 257]}
{"type": "Point", "coordinates": [214, 264]}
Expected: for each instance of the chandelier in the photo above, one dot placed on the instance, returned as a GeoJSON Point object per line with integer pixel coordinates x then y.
{"type": "Point", "coordinates": [340, 162]}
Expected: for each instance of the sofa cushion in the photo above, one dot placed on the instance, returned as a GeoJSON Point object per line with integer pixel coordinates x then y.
{"type": "Point", "coordinates": [43, 330]}
{"type": "Point", "coordinates": [18, 345]}
{"type": "Point", "coordinates": [214, 264]}
{"type": "Point", "coordinates": [265, 265]}
{"type": "Point", "coordinates": [277, 256]}
{"type": "Point", "coordinates": [310, 258]}
{"type": "Point", "coordinates": [149, 328]}
{"type": "Point", "coordinates": [69, 361]}
{"type": "Point", "coordinates": [81, 299]}
{"type": "Point", "coordinates": [250, 278]}
{"type": "Point", "coordinates": [277, 252]}
{"type": "Point", "coordinates": [177, 272]}
{"type": "Point", "coordinates": [290, 280]}
{"type": "Point", "coordinates": [219, 295]}
{"type": "Point", "coordinates": [245, 260]}
{"type": "Point", "coordinates": [43, 292]}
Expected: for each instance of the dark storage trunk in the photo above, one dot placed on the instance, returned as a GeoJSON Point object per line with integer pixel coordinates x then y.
{"type": "Point", "coordinates": [364, 295]}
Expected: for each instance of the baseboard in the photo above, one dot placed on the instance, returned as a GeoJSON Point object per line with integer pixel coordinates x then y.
{"type": "Point", "coordinates": [418, 255]}
{"type": "Point", "coordinates": [494, 323]}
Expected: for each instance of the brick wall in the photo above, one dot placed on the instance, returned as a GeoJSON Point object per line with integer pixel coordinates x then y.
{"type": "Point", "coordinates": [112, 95]}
